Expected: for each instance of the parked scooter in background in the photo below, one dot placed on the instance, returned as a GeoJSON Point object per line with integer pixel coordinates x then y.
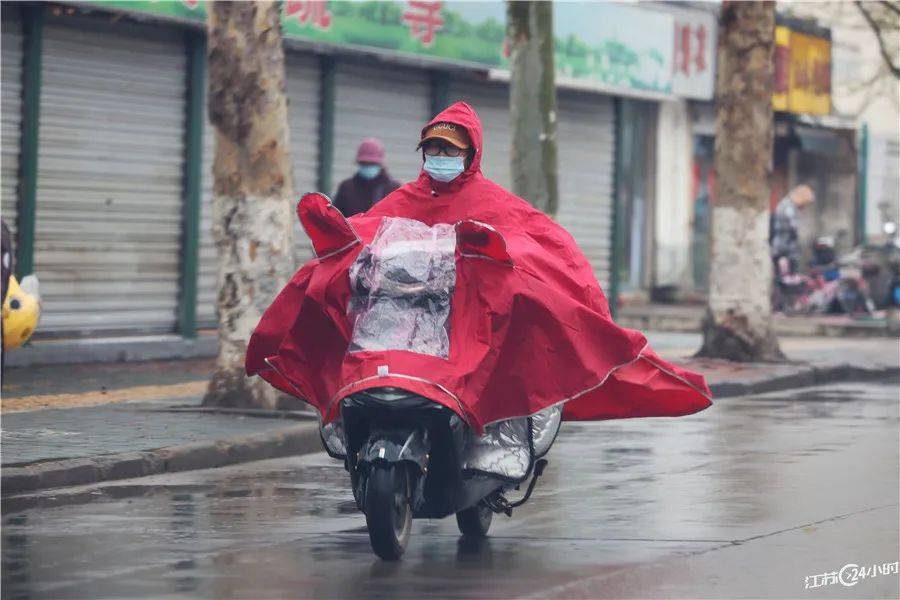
{"type": "Point", "coordinates": [880, 264]}
{"type": "Point", "coordinates": [832, 285]}
{"type": "Point", "coordinates": [842, 287]}
{"type": "Point", "coordinates": [892, 249]}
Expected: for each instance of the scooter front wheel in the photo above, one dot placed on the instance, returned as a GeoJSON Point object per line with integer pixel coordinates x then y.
{"type": "Point", "coordinates": [388, 513]}
{"type": "Point", "coordinates": [475, 521]}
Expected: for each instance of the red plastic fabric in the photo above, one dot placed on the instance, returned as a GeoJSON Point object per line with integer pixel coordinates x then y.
{"type": "Point", "coordinates": [529, 325]}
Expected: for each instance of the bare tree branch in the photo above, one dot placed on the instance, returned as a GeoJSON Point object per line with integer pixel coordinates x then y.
{"type": "Point", "coordinates": [893, 6]}
{"type": "Point", "coordinates": [882, 46]}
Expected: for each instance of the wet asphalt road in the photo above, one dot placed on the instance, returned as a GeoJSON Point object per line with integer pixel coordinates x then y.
{"type": "Point", "coordinates": [743, 500]}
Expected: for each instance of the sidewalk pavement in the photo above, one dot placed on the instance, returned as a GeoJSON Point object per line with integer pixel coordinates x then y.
{"type": "Point", "coordinates": [79, 424]}
{"type": "Point", "coordinates": [687, 318]}
{"type": "Point", "coordinates": [810, 361]}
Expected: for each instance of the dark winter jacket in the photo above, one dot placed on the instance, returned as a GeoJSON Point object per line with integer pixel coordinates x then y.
{"type": "Point", "coordinates": [7, 257]}
{"type": "Point", "coordinates": [357, 195]}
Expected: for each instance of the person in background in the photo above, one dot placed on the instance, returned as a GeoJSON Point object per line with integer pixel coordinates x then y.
{"type": "Point", "coordinates": [369, 184]}
{"type": "Point", "coordinates": [784, 240]}
{"type": "Point", "coordinates": [7, 257]}
{"type": "Point", "coordinates": [784, 234]}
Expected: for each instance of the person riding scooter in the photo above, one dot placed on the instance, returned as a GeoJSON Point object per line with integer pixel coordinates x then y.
{"type": "Point", "coordinates": [444, 334]}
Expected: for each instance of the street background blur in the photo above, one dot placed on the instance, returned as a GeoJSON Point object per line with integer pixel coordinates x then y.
{"type": "Point", "coordinates": [106, 185]}
{"type": "Point", "coordinates": [102, 137]}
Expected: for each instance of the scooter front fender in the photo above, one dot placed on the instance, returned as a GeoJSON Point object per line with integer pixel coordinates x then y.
{"type": "Point", "coordinates": [396, 445]}
{"type": "Point", "coordinates": [409, 446]}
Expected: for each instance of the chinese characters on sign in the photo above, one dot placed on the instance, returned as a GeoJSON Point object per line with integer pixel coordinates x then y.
{"type": "Point", "coordinates": [313, 12]}
{"type": "Point", "coordinates": [850, 574]}
{"type": "Point", "coordinates": [694, 55]}
{"type": "Point", "coordinates": [424, 20]}
{"type": "Point", "coordinates": [802, 73]}
{"type": "Point", "coordinates": [782, 68]}
{"type": "Point", "coordinates": [690, 48]}
{"type": "Point", "coordinates": [673, 56]}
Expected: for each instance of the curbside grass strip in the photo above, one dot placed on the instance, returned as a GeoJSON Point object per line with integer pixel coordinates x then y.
{"type": "Point", "coordinates": [298, 439]}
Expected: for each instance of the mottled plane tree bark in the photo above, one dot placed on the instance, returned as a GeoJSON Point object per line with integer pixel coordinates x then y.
{"type": "Point", "coordinates": [532, 103]}
{"type": "Point", "coordinates": [738, 321]}
{"type": "Point", "coordinates": [253, 187]}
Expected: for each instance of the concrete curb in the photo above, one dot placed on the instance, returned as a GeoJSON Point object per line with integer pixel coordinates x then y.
{"type": "Point", "coordinates": [783, 327]}
{"type": "Point", "coordinates": [286, 441]}
{"type": "Point", "coordinates": [806, 377]}
{"type": "Point", "coordinates": [112, 350]}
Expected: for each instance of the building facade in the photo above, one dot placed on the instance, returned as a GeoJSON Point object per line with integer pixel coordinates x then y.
{"type": "Point", "coordinates": [106, 149]}
{"type": "Point", "coordinates": [814, 144]}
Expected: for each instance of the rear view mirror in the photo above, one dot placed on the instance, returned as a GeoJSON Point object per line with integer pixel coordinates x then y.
{"type": "Point", "coordinates": [328, 230]}
{"type": "Point", "coordinates": [474, 238]}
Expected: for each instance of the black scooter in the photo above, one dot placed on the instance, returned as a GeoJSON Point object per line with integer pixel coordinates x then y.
{"type": "Point", "coordinates": [408, 456]}
{"type": "Point", "coordinates": [405, 456]}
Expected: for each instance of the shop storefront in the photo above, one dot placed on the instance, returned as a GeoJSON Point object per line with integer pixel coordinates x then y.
{"type": "Point", "coordinates": [810, 147]}
{"type": "Point", "coordinates": [114, 187]}
{"type": "Point", "coordinates": [815, 148]}
{"type": "Point", "coordinates": [109, 178]}
{"type": "Point", "coordinates": [11, 119]}
{"type": "Point", "coordinates": [677, 216]}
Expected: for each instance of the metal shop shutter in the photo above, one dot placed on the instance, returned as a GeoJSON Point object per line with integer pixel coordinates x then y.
{"type": "Point", "coordinates": [491, 102]}
{"type": "Point", "coordinates": [303, 84]}
{"type": "Point", "coordinates": [586, 138]}
{"type": "Point", "coordinates": [10, 115]}
{"type": "Point", "coordinates": [586, 145]}
{"type": "Point", "coordinates": [109, 204]}
{"type": "Point", "coordinates": [389, 103]}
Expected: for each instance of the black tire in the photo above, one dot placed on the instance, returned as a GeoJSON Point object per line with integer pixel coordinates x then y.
{"type": "Point", "coordinates": [388, 513]}
{"type": "Point", "coordinates": [475, 521]}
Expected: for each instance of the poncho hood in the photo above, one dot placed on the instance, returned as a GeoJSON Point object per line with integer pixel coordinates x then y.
{"type": "Point", "coordinates": [463, 115]}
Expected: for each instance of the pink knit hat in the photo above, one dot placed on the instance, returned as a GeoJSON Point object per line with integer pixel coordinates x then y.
{"type": "Point", "coordinates": [370, 151]}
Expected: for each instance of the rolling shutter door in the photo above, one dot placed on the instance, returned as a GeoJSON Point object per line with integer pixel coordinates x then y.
{"type": "Point", "coordinates": [302, 86]}
{"type": "Point", "coordinates": [388, 103]}
{"type": "Point", "coordinates": [11, 117]}
{"type": "Point", "coordinates": [207, 259]}
{"type": "Point", "coordinates": [491, 102]}
{"type": "Point", "coordinates": [586, 146]}
{"type": "Point", "coordinates": [110, 177]}
{"type": "Point", "coordinates": [586, 135]}
{"type": "Point", "coordinates": [303, 83]}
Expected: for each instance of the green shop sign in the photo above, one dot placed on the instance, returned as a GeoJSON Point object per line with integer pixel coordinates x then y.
{"type": "Point", "coordinates": [597, 43]}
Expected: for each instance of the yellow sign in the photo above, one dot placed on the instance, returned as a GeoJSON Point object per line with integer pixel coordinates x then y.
{"type": "Point", "coordinates": [782, 68]}
{"type": "Point", "coordinates": [802, 73]}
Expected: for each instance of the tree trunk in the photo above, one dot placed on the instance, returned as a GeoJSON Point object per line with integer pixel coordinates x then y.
{"type": "Point", "coordinates": [253, 188]}
{"type": "Point", "coordinates": [738, 321]}
{"type": "Point", "coordinates": [532, 103]}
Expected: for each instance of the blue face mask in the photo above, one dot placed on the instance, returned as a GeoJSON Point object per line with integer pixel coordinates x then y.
{"type": "Point", "coordinates": [369, 171]}
{"type": "Point", "coordinates": [444, 168]}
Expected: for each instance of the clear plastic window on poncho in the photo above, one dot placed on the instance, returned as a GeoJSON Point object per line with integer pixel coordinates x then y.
{"type": "Point", "coordinates": [401, 286]}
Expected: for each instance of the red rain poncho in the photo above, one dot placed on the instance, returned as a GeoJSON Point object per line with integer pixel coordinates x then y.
{"type": "Point", "coordinates": [529, 327]}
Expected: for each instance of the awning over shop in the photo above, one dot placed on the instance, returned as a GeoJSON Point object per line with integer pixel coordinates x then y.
{"type": "Point", "coordinates": [820, 141]}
